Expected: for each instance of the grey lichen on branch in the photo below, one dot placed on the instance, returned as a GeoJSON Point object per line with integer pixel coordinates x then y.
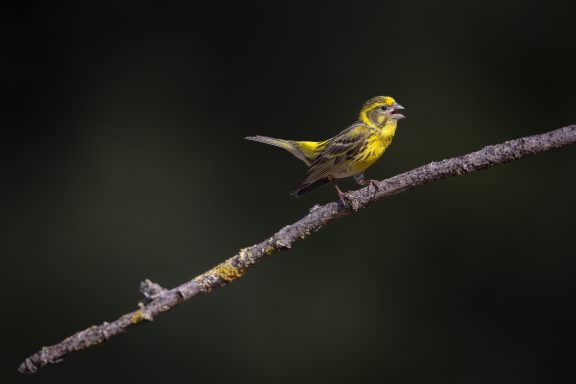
{"type": "Point", "coordinates": [158, 299]}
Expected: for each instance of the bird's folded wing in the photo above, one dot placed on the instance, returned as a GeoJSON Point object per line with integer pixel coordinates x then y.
{"type": "Point", "coordinates": [341, 149]}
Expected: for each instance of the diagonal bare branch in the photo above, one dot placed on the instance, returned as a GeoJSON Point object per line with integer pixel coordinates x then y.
{"type": "Point", "coordinates": [159, 300]}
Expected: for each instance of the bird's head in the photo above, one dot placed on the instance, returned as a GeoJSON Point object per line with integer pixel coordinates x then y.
{"type": "Point", "coordinates": [379, 110]}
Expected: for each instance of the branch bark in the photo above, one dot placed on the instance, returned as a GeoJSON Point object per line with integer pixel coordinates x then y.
{"type": "Point", "coordinates": [158, 299]}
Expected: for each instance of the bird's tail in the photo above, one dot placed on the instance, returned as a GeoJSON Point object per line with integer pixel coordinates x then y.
{"type": "Point", "coordinates": [286, 144]}
{"type": "Point", "coordinates": [289, 145]}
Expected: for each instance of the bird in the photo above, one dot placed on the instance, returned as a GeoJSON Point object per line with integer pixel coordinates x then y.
{"type": "Point", "coordinates": [350, 152]}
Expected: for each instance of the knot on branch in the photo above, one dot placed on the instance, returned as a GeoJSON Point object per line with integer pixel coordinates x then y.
{"type": "Point", "coordinates": [150, 289]}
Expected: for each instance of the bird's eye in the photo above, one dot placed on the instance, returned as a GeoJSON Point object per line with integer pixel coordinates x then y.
{"type": "Point", "coordinates": [384, 108]}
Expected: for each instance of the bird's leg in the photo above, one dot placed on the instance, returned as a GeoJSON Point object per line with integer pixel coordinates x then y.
{"type": "Point", "coordinates": [366, 182]}
{"type": "Point", "coordinates": [343, 196]}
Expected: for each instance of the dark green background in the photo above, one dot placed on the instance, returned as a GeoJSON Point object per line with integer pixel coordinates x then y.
{"type": "Point", "coordinates": [126, 160]}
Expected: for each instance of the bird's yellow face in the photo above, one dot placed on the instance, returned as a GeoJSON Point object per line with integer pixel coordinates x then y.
{"type": "Point", "coordinates": [380, 110]}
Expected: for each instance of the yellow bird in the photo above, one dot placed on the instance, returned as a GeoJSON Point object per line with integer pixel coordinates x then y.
{"type": "Point", "coordinates": [350, 152]}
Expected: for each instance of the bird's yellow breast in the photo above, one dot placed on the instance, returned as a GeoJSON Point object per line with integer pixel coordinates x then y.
{"type": "Point", "coordinates": [376, 144]}
{"type": "Point", "coordinates": [374, 149]}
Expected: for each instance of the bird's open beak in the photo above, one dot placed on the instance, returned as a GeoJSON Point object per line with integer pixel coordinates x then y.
{"type": "Point", "coordinates": [397, 107]}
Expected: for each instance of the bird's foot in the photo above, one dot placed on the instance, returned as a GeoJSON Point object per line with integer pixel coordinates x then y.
{"type": "Point", "coordinates": [348, 201]}
{"type": "Point", "coordinates": [345, 198]}
{"type": "Point", "coordinates": [371, 183]}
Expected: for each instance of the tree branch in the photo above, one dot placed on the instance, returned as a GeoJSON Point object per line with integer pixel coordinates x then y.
{"type": "Point", "coordinates": [158, 299]}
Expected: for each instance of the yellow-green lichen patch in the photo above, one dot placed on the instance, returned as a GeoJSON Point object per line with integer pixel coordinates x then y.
{"type": "Point", "coordinates": [139, 316]}
{"type": "Point", "coordinates": [227, 272]}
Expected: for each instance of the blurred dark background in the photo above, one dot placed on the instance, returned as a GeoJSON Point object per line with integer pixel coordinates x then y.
{"type": "Point", "coordinates": [125, 159]}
